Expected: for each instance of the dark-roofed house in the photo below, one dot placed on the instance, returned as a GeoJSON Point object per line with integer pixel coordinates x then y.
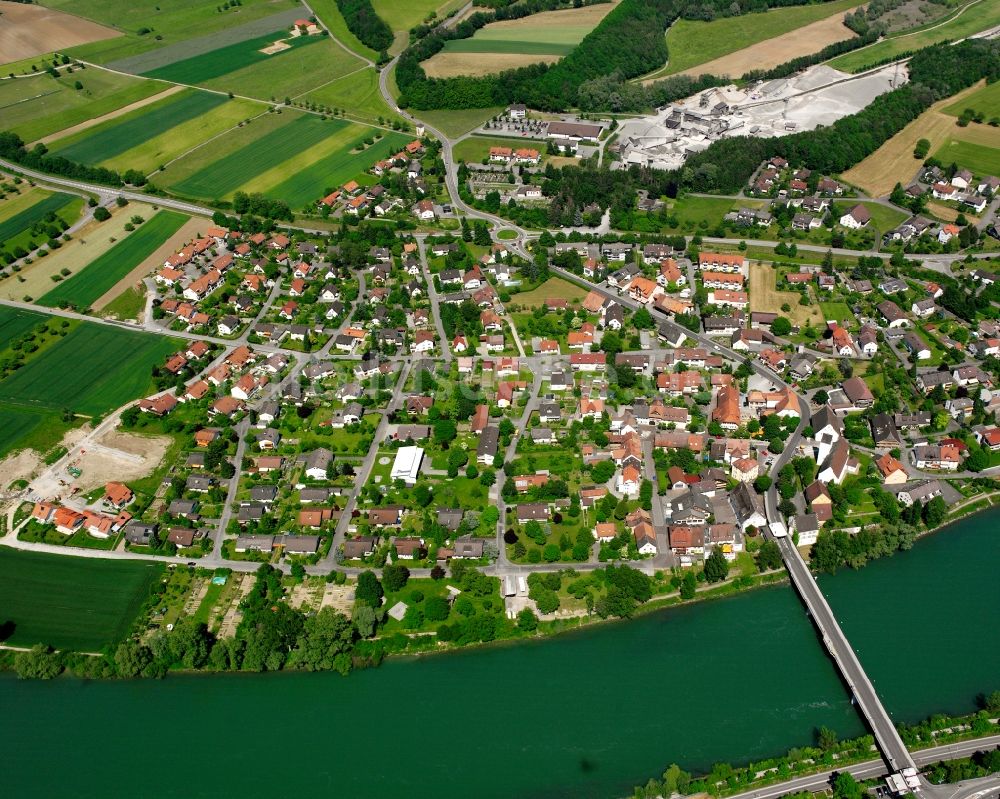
{"type": "Point", "coordinates": [748, 507]}
{"type": "Point", "coordinates": [532, 511]}
{"type": "Point", "coordinates": [858, 393]}
{"type": "Point", "coordinates": [489, 441]}
{"type": "Point", "coordinates": [450, 518]}
{"type": "Point", "coordinates": [361, 547]}
{"type": "Point", "coordinates": [468, 547]}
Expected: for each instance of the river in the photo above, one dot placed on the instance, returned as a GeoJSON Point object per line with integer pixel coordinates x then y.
{"type": "Point", "coordinates": [586, 714]}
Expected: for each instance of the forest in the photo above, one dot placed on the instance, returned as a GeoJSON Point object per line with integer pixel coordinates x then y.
{"type": "Point", "coordinates": [364, 23]}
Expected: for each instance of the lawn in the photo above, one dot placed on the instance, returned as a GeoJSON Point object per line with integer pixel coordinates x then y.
{"type": "Point", "coordinates": [401, 15]}
{"type": "Point", "coordinates": [840, 311]}
{"type": "Point", "coordinates": [977, 16]}
{"type": "Point", "coordinates": [92, 370]}
{"type": "Point", "coordinates": [39, 106]}
{"type": "Point", "coordinates": [553, 288]}
{"type": "Point", "coordinates": [476, 148]}
{"type": "Point", "coordinates": [692, 42]}
{"type": "Point", "coordinates": [71, 603]}
{"type": "Point", "coordinates": [455, 123]}
{"type": "Point", "coordinates": [980, 158]}
{"type": "Point", "coordinates": [310, 182]}
{"type": "Point", "coordinates": [167, 23]}
{"type": "Point", "coordinates": [883, 217]}
{"type": "Point", "coordinates": [985, 100]}
{"type": "Point", "coordinates": [127, 305]}
{"type": "Point", "coordinates": [692, 212]}
{"type": "Point", "coordinates": [237, 166]}
{"type": "Point", "coordinates": [102, 274]}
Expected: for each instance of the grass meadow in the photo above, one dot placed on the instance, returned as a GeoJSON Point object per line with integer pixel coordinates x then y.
{"type": "Point", "coordinates": [40, 106]}
{"type": "Point", "coordinates": [83, 604]}
{"type": "Point", "coordinates": [357, 94]}
{"type": "Point", "coordinates": [979, 158]}
{"type": "Point", "coordinates": [92, 370]}
{"type": "Point", "coordinates": [91, 283]}
{"type": "Point", "coordinates": [329, 15]}
{"type": "Point", "coordinates": [15, 322]}
{"type": "Point", "coordinates": [985, 100]}
{"type": "Point", "coordinates": [21, 212]}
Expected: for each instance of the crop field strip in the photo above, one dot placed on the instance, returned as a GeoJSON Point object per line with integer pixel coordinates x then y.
{"type": "Point", "coordinates": [979, 158]}
{"type": "Point", "coordinates": [72, 603]}
{"type": "Point", "coordinates": [228, 59]}
{"type": "Point", "coordinates": [87, 285]}
{"type": "Point", "coordinates": [24, 219]}
{"type": "Point", "coordinates": [120, 135]}
{"type": "Point", "coordinates": [15, 322]}
{"type": "Point", "coordinates": [336, 169]}
{"type": "Point", "coordinates": [18, 424]}
{"type": "Point", "coordinates": [166, 23]}
{"type": "Point", "coordinates": [92, 370]}
{"type": "Point", "coordinates": [40, 106]}
{"type": "Point", "coordinates": [201, 45]}
{"type": "Point", "coordinates": [236, 168]}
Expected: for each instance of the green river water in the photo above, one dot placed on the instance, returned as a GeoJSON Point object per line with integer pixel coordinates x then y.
{"type": "Point", "coordinates": [586, 714]}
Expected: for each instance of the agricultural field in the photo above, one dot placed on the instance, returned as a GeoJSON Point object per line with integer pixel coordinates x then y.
{"type": "Point", "coordinates": [153, 24]}
{"type": "Point", "coordinates": [83, 604]}
{"type": "Point", "coordinates": [975, 17]}
{"type": "Point", "coordinates": [19, 212]}
{"type": "Point", "coordinates": [765, 296]}
{"type": "Point", "coordinates": [544, 37]}
{"type": "Point", "coordinates": [92, 370]}
{"type": "Point", "coordinates": [979, 158]}
{"type": "Point", "coordinates": [357, 95]}
{"type": "Point", "coordinates": [985, 100]}
{"type": "Point", "coordinates": [230, 58]}
{"type": "Point", "coordinates": [893, 162]}
{"type": "Point", "coordinates": [15, 322]}
{"type": "Point", "coordinates": [291, 156]}
{"type": "Point", "coordinates": [93, 282]}
{"type": "Point", "coordinates": [102, 144]}
{"type": "Point", "coordinates": [727, 46]}
{"type": "Point", "coordinates": [456, 123]}
{"type": "Point", "coordinates": [329, 15]}
{"type": "Point", "coordinates": [29, 30]}
{"type": "Point", "coordinates": [292, 73]}
{"type": "Point", "coordinates": [37, 107]}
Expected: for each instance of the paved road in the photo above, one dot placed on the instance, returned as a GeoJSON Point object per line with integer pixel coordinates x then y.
{"type": "Point", "coordinates": [435, 298]}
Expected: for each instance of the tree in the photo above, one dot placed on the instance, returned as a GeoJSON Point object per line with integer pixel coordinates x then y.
{"type": "Point", "coordinates": [935, 512]}
{"type": "Point", "coordinates": [365, 619]}
{"type": "Point", "coordinates": [369, 589]}
{"type": "Point", "coordinates": [781, 326]}
{"type": "Point", "coordinates": [131, 658]}
{"type": "Point", "coordinates": [394, 577]}
{"type": "Point", "coordinates": [436, 608]}
{"type": "Point", "coordinates": [762, 483]}
{"type": "Point", "coordinates": [826, 739]}
{"type": "Point", "coordinates": [846, 787]}
{"type": "Point", "coordinates": [101, 214]}
{"type": "Point", "coordinates": [527, 621]}
{"type": "Point", "coordinates": [716, 566]}
{"type": "Point", "coordinates": [326, 642]}
{"type": "Point", "coordinates": [768, 556]}
{"type": "Point", "coordinates": [445, 431]}
{"type": "Point", "coordinates": [38, 663]}
{"type": "Point", "coordinates": [688, 585]}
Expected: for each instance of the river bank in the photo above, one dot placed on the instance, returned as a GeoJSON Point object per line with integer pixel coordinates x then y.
{"type": "Point", "coordinates": [741, 678]}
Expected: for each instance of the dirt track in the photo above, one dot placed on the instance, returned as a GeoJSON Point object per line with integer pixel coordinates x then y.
{"type": "Point", "coordinates": [771, 52]}
{"type": "Point", "coordinates": [30, 30]}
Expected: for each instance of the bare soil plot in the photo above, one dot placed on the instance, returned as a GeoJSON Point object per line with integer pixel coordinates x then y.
{"type": "Point", "coordinates": [450, 65]}
{"type": "Point", "coordinates": [188, 231]}
{"type": "Point", "coordinates": [30, 30]}
{"type": "Point", "coordinates": [893, 162]}
{"type": "Point", "coordinates": [765, 296]}
{"type": "Point", "coordinates": [764, 55]}
{"type": "Point", "coordinates": [60, 134]}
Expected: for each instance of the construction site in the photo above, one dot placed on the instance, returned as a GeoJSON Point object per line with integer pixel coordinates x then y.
{"type": "Point", "coordinates": [815, 97]}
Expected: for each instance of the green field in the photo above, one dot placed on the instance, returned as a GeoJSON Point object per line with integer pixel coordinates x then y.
{"type": "Point", "coordinates": [883, 217]}
{"type": "Point", "coordinates": [11, 224]}
{"type": "Point", "coordinates": [331, 18]}
{"type": "Point", "coordinates": [977, 16]}
{"type": "Point", "coordinates": [40, 106]}
{"type": "Point", "coordinates": [167, 23]}
{"type": "Point", "coordinates": [693, 211]}
{"type": "Point", "coordinates": [979, 158]}
{"type": "Point", "coordinates": [98, 277]}
{"type": "Point", "coordinates": [203, 68]}
{"type": "Point", "coordinates": [401, 15]}
{"type": "Point", "coordinates": [71, 603]}
{"type": "Point", "coordinates": [836, 310]}
{"type": "Point", "coordinates": [235, 160]}
{"type": "Point", "coordinates": [15, 322]}
{"type": "Point", "coordinates": [691, 42]}
{"type": "Point", "coordinates": [358, 95]}
{"type": "Point", "coordinates": [117, 136]}
{"type": "Point", "coordinates": [524, 46]}
{"type": "Point", "coordinates": [309, 184]}
{"type": "Point", "coordinates": [985, 100]}
{"type": "Point", "coordinates": [93, 370]}
{"type": "Point", "coordinates": [292, 73]}
{"type": "Point", "coordinates": [455, 123]}
{"type": "Point", "coordinates": [476, 148]}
